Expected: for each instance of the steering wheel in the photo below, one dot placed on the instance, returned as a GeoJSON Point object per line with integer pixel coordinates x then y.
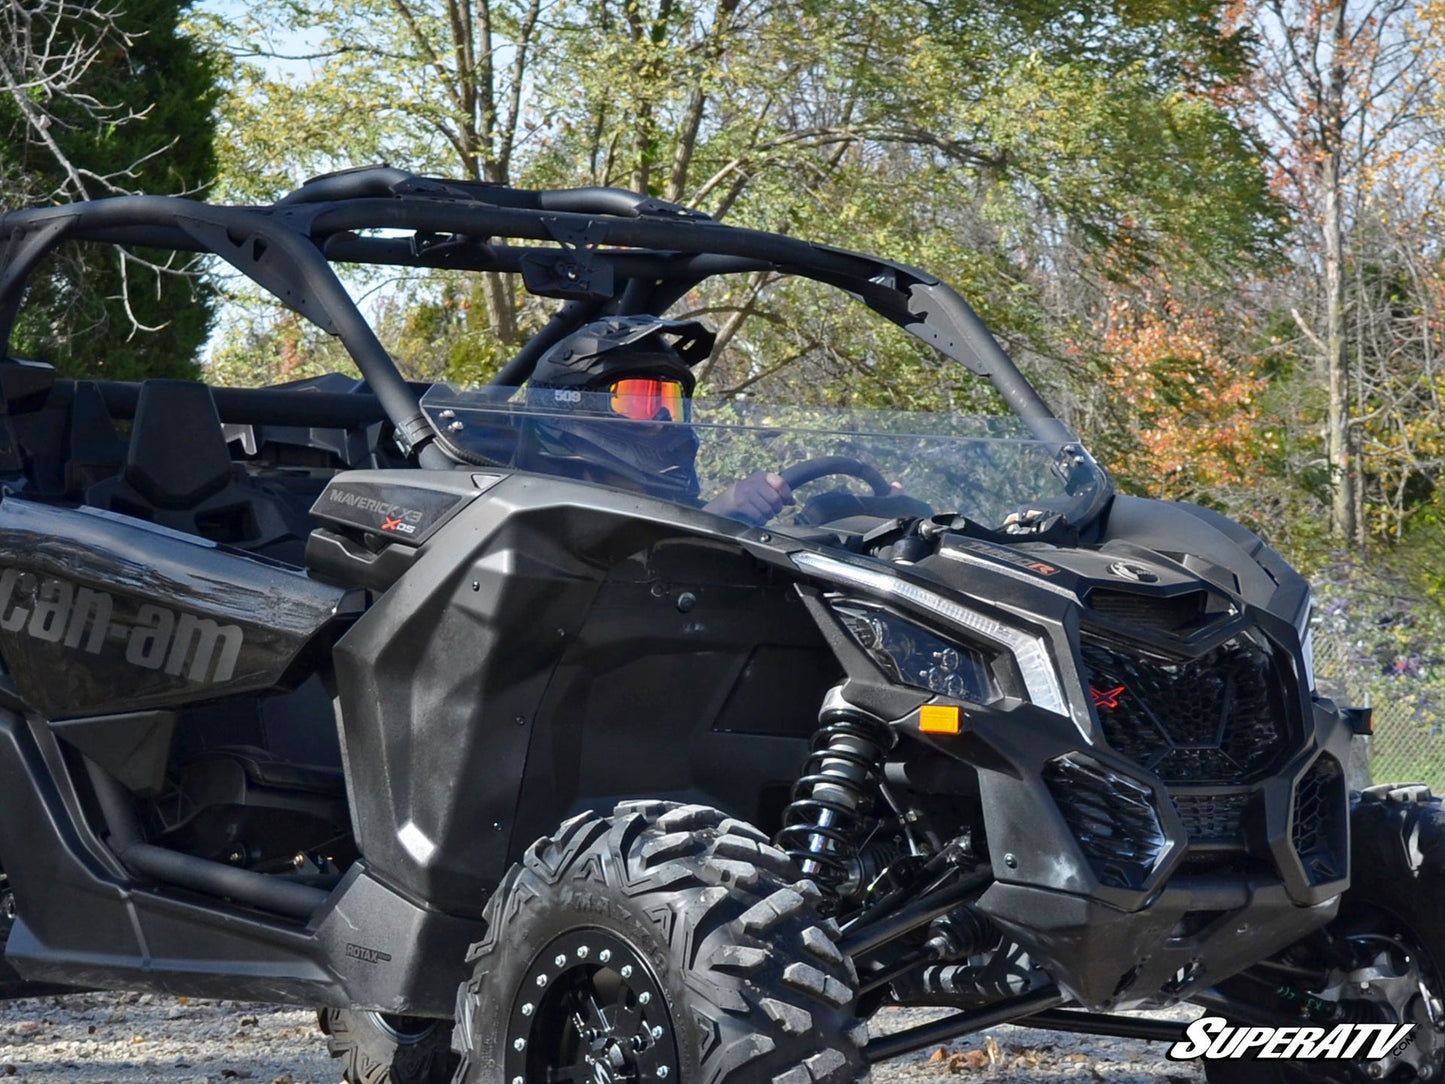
{"type": "Point", "coordinates": [809, 470]}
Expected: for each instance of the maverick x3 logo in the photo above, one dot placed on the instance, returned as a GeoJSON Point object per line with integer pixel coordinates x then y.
{"type": "Point", "coordinates": [394, 517]}
{"type": "Point", "coordinates": [1214, 1037]}
{"type": "Point", "coordinates": [156, 638]}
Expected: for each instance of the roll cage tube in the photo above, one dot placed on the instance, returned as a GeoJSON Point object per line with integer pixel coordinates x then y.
{"type": "Point", "coordinates": [657, 251]}
{"type": "Point", "coordinates": [271, 252]}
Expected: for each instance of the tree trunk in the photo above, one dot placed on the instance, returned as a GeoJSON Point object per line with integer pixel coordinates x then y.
{"type": "Point", "coordinates": [1337, 424]}
{"type": "Point", "coordinates": [500, 296]}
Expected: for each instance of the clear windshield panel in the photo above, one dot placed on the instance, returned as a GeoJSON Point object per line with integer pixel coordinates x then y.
{"type": "Point", "coordinates": [984, 468]}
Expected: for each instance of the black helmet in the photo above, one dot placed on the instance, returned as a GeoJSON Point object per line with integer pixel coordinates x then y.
{"type": "Point", "coordinates": [594, 394]}
{"type": "Point", "coordinates": [594, 356]}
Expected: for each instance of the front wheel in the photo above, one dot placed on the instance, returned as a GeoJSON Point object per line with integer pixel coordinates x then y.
{"type": "Point", "coordinates": [1393, 923]}
{"type": "Point", "coordinates": [662, 943]}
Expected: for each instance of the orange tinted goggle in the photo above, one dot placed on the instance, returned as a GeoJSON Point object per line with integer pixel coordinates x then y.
{"type": "Point", "coordinates": [642, 399]}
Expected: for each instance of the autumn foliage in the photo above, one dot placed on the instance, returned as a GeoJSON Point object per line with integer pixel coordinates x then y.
{"type": "Point", "coordinates": [1189, 420]}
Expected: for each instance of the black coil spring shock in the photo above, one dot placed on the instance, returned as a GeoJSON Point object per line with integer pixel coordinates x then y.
{"type": "Point", "coordinates": [822, 825]}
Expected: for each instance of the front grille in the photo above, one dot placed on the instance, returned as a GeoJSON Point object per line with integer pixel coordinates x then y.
{"type": "Point", "coordinates": [1320, 823]}
{"type": "Point", "coordinates": [1219, 718]}
{"type": "Point", "coordinates": [1212, 818]}
{"type": "Point", "coordinates": [1112, 817]}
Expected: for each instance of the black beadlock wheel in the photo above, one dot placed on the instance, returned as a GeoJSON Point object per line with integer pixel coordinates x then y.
{"type": "Point", "coordinates": [381, 1048]}
{"type": "Point", "coordinates": [663, 943]}
{"type": "Point", "coordinates": [1394, 911]}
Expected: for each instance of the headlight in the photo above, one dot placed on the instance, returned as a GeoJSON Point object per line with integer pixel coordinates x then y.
{"type": "Point", "coordinates": [1030, 652]}
{"type": "Point", "coordinates": [914, 656]}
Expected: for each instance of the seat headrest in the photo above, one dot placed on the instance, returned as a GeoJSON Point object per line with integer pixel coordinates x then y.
{"type": "Point", "coordinates": [177, 455]}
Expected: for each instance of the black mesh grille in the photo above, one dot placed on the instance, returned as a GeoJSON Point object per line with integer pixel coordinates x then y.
{"type": "Point", "coordinates": [1212, 818]}
{"type": "Point", "coordinates": [1112, 817]}
{"type": "Point", "coordinates": [1220, 718]}
{"type": "Point", "coordinates": [1320, 823]}
{"type": "Point", "coordinates": [1174, 613]}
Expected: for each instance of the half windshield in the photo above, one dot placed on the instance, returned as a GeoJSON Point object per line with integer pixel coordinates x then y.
{"type": "Point", "coordinates": [984, 468]}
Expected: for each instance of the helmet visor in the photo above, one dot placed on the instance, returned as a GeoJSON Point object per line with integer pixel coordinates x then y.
{"type": "Point", "coordinates": [644, 399]}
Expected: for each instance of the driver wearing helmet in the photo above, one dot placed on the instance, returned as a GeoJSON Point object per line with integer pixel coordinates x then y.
{"type": "Point", "coordinates": [637, 368]}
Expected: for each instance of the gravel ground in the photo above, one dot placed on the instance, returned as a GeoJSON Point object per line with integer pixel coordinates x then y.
{"type": "Point", "coordinates": [130, 1038]}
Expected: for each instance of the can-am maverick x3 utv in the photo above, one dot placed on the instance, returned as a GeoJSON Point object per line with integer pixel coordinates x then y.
{"type": "Point", "coordinates": [311, 694]}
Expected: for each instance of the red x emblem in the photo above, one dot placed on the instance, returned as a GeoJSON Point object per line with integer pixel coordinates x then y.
{"type": "Point", "coordinates": [391, 523]}
{"type": "Point", "coordinates": [1107, 701]}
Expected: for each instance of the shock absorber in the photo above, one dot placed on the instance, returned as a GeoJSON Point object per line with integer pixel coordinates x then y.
{"type": "Point", "coordinates": [822, 826]}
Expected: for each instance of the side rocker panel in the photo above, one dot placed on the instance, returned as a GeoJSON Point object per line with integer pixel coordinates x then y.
{"type": "Point", "coordinates": [81, 922]}
{"type": "Point", "coordinates": [64, 891]}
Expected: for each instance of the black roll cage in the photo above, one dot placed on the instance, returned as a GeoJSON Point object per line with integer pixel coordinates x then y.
{"type": "Point", "coordinates": [605, 251]}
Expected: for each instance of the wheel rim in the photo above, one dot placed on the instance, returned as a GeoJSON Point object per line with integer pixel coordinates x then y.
{"type": "Point", "coordinates": [1398, 976]}
{"type": "Point", "coordinates": [402, 1030]}
{"type": "Point", "coordinates": [591, 1011]}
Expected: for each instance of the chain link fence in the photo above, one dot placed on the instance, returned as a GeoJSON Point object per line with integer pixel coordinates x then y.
{"type": "Point", "coordinates": [1406, 693]}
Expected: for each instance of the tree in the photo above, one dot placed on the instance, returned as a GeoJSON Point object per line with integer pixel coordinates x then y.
{"type": "Point", "coordinates": [1336, 93]}
{"type": "Point", "coordinates": [1003, 145]}
{"type": "Point", "coordinates": [48, 52]}
{"type": "Point", "coordinates": [101, 103]}
{"type": "Point", "coordinates": [435, 84]}
{"type": "Point", "coordinates": [1396, 294]}
{"type": "Point", "coordinates": [1189, 424]}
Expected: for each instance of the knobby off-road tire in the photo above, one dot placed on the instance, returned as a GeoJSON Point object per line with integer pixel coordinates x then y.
{"type": "Point", "coordinates": [378, 1048]}
{"type": "Point", "coordinates": [1397, 892]}
{"type": "Point", "coordinates": [662, 943]}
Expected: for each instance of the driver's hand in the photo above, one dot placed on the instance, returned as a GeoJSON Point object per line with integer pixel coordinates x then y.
{"type": "Point", "coordinates": [757, 498]}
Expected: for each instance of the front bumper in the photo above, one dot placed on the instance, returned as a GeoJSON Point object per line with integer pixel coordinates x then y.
{"type": "Point", "coordinates": [1131, 893]}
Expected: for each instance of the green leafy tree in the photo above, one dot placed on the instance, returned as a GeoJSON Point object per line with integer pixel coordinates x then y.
{"type": "Point", "coordinates": [1017, 150]}
{"type": "Point", "coordinates": [102, 103]}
